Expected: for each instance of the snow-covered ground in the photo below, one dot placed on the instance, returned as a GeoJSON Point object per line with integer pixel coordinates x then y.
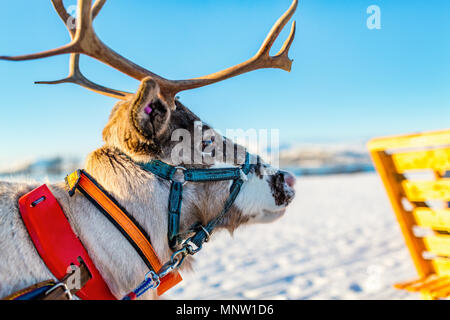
{"type": "Point", "coordinates": [338, 240]}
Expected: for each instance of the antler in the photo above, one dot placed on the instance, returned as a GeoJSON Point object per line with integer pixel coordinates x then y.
{"type": "Point", "coordinates": [85, 41]}
{"type": "Point", "coordinates": [75, 75]}
{"type": "Point", "coordinates": [262, 60]}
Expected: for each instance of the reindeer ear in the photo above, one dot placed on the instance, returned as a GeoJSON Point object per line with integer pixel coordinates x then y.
{"type": "Point", "coordinates": [149, 114]}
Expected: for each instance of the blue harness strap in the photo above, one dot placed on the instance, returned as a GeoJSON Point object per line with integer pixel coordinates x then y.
{"type": "Point", "coordinates": [206, 175]}
{"type": "Point", "coordinates": [204, 233]}
{"type": "Point", "coordinates": [167, 172]}
{"type": "Point", "coordinates": [159, 168]}
{"type": "Point", "coordinates": [32, 293]}
{"type": "Point", "coordinates": [175, 199]}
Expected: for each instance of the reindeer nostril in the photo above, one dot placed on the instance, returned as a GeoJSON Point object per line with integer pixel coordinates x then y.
{"type": "Point", "coordinates": [289, 179]}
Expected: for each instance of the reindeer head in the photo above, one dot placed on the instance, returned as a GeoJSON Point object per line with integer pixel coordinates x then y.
{"type": "Point", "coordinates": [146, 128]}
{"type": "Point", "coordinates": [143, 125]}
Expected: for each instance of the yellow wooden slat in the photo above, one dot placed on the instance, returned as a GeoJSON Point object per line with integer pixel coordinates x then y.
{"type": "Point", "coordinates": [425, 139]}
{"type": "Point", "coordinates": [435, 159]}
{"type": "Point", "coordinates": [432, 286]}
{"type": "Point", "coordinates": [442, 293]}
{"type": "Point", "coordinates": [435, 289]}
{"type": "Point", "coordinates": [412, 283]}
{"type": "Point", "coordinates": [436, 219]}
{"type": "Point", "coordinates": [429, 285]}
{"type": "Point", "coordinates": [442, 266]}
{"type": "Point", "coordinates": [427, 190]}
{"type": "Point", "coordinates": [386, 169]}
{"type": "Point", "coordinates": [438, 244]}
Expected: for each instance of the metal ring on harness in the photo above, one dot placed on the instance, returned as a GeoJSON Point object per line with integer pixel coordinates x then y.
{"type": "Point", "coordinates": [183, 170]}
{"type": "Point", "coordinates": [208, 235]}
{"type": "Point", "coordinates": [62, 285]}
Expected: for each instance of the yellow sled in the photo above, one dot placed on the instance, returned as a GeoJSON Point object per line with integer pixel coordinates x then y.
{"type": "Point", "coordinates": [422, 206]}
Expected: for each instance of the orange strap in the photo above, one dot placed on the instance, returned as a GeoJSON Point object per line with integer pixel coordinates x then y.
{"type": "Point", "coordinates": [123, 221]}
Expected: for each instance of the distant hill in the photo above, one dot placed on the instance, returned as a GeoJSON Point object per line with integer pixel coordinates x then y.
{"type": "Point", "coordinates": [326, 159]}
{"type": "Point", "coordinates": [53, 167]}
{"type": "Point", "coordinates": [305, 159]}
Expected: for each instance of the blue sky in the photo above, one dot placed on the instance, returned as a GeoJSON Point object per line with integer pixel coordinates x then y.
{"type": "Point", "coordinates": [348, 83]}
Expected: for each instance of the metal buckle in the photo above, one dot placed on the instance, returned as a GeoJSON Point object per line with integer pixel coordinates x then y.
{"type": "Point", "coordinates": [154, 277]}
{"type": "Point", "coordinates": [64, 286]}
{"type": "Point", "coordinates": [183, 170]}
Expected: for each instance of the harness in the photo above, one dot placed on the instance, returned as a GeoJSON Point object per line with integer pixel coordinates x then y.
{"type": "Point", "coordinates": [165, 171]}
{"type": "Point", "coordinates": [193, 244]}
{"type": "Point", "coordinates": [49, 226]}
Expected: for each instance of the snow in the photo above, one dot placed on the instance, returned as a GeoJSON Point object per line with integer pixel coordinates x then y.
{"type": "Point", "coordinates": [338, 240]}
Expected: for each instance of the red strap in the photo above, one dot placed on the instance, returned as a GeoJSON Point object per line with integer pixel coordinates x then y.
{"type": "Point", "coordinates": [56, 242]}
{"type": "Point", "coordinates": [123, 222]}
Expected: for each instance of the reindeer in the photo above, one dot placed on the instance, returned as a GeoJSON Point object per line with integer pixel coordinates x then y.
{"type": "Point", "coordinates": [139, 131]}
